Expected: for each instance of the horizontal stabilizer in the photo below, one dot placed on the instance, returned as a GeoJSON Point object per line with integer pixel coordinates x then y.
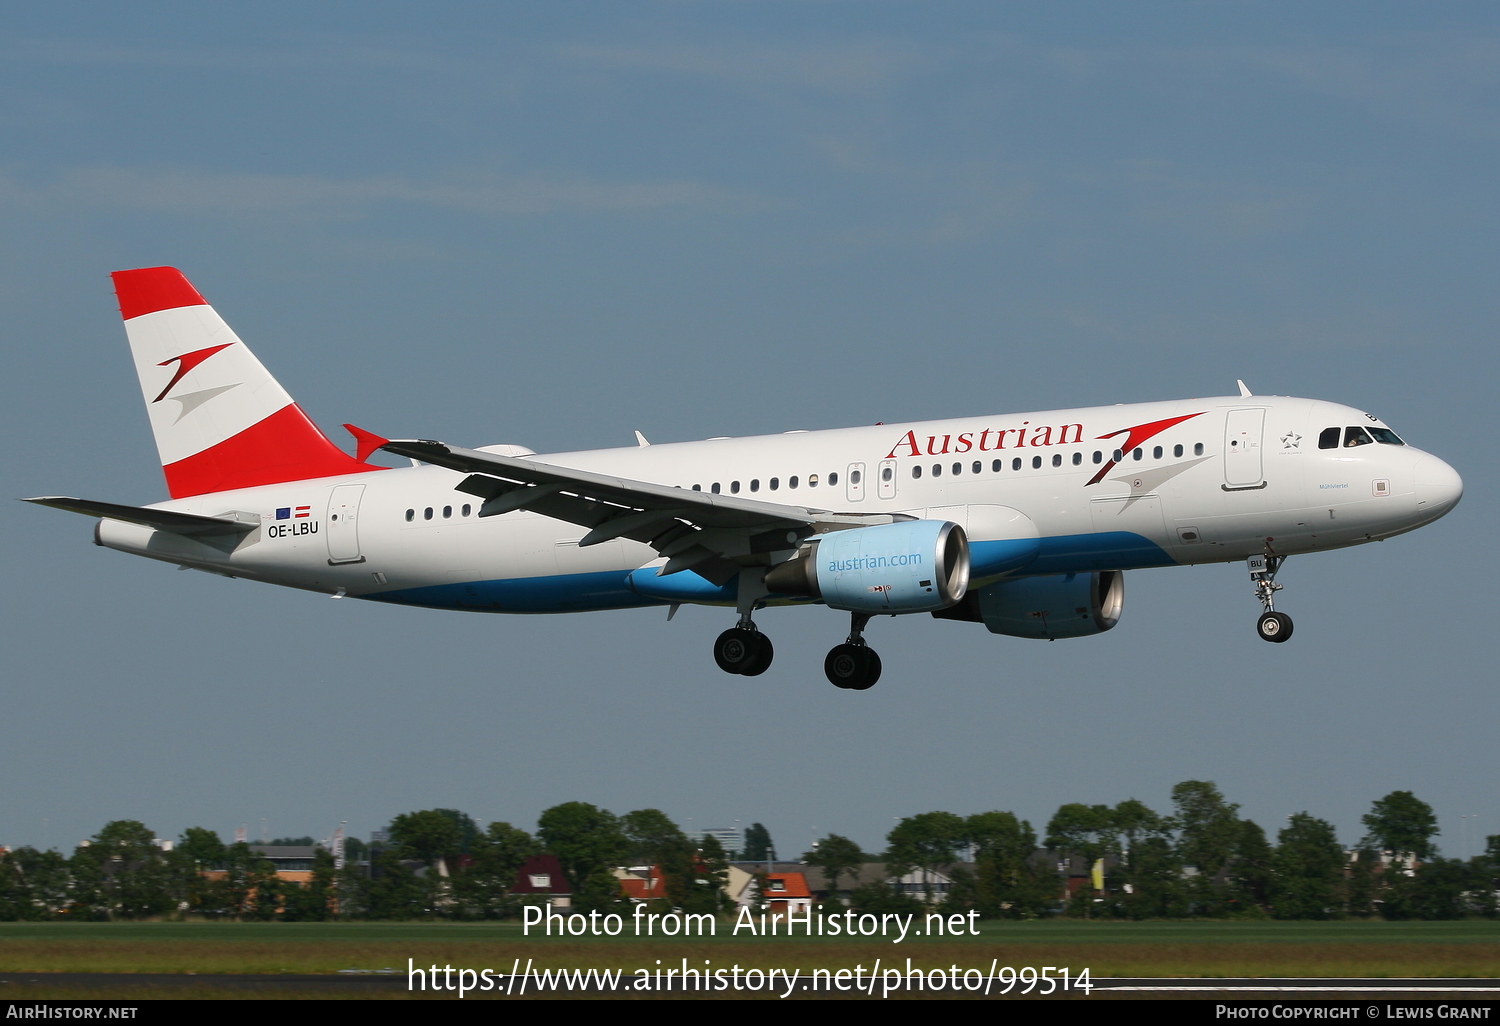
{"type": "Point", "coordinates": [189, 524]}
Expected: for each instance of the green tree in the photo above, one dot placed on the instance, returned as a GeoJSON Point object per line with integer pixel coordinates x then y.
{"type": "Point", "coordinates": [657, 842]}
{"type": "Point", "coordinates": [1207, 827]}
{"type": "Point", "coordinates": [34, 884]}
{"type": "Point", "coordinates": [434, 835]}
{"type": "Point", "coordinates": [587, 842]}
{"type": "Point", "coordinates": [1402, 822]}
{"type": "Point", "coordinates": [1132, 822]}
{"type": "Point", "coordinates": [1006, 884]}
{"type": "Point", "coordinates": [1250, 871]}
{"type": "Point", "coordinates": [393, 890]}
{"type": "Point", "coordinates": [1308, 870]}
{"type": "Point", "coordinates": [312, 902]}
{"type": "Point", "coordinates": [1155, 880]}
{"type": "Point", "coordinates": [928, 841]}
{"type": "Point", "coordinates": [711, 876]}
{"type": "Point", "coordinates": [483, 888]}
{"type": "Point", "coordinates": [835, 855]}
{"type": "Point", "coordinates": [757, 844]}
{"type": "Point", "coordinates": [1086, 831]}
{"type": "Point", "coordinates": [121, 873]}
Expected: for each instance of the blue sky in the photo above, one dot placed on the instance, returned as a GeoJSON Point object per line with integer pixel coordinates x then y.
{"type": "Point", "coordinates": [554, 224]}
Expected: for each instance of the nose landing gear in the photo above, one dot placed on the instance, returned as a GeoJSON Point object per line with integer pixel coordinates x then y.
{"type": "Point", "coordinates": [1272, 626]}
{"type": "Point", "coordinates": [854, 665]}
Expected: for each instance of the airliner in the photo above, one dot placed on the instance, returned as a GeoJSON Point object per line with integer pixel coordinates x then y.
{"type": "Point", "coordinates": [1024, 523]}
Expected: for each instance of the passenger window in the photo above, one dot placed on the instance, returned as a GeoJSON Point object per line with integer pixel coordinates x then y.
{"type": "Point", "coordinates": [997, 465]}
{"type": "Point", "coordinates": [714, 488]}
{"type": "Point", "coordinates": [697, 488]}
{"type": "Point", "coordinates": [1077, 459]}
{"type": "Point", "coordinates": [791, 482]}
{"type": "Point", "coordinates": [1098, 456]}
{"type": "Point", "coordinates": [855, 477]}
{"type": "Point", "coordinates": [1117, 456]}
{"type": "Point", "coordinates": [1156, 453]}
{"type": "Point", "coordinates": [775, 483]}
{"type": "Point", "coordinates": [1057, 459]}
{"type": "Point", "coordinates": [1329, 438]}
{"type": "Point", "coordinates": [958, 468]}
{"type": "Point", "coordinates": [812, 480]}
{"type": "Point", "coordinates": [1036, 463]}
{"type": "Point", "coordinates": [937, 470]}
{"type": "Point", "coordinates": [1137, 454]}
{"type": "Point", "coordinates": [447, 512]}
{"type": "Point", "coordinates": [1176, 450]}
{"type": "Point", "coordinates": [467, 508]}
{"type": "Point", "coordinates": [755, 484]}
{"type": "Point", "coordinates": [734, 487]}
{"type": "Point", "coordinates": [1015, 464]}
{"type": "Point", "coordinates": [1356, 436]}
{"type": "Point", "coordinates": [410, 514]}
{"type": "Point", "coordinates": [1198, 449]}
{"type": "Point", "coordinates": [886, 473]}
{"type": "Point", "coordinates": [833, 479]}
{"type": "Point", "coordinates": [916, 471]}
{"type": "Point", "coordinates": [427, 513]}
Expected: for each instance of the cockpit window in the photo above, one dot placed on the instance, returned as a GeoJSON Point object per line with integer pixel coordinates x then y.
{"type": "Point", "coordinates": [1385, 436]}
{"type": "Point", "coordinates": [1329, 439]}
{"type": "Point", "coordinates": [1356, 436]}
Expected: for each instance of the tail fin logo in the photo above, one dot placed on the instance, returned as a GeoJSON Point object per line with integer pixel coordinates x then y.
{"type": "Point", "coordinates": [185, 363]}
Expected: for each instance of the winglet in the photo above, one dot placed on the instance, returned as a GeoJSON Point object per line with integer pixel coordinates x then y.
{"type": "Point", "coordinates": [640, 440]}
{"type": "Point", "coordinates": [365, 442]}
{"type": "Point", "coordinates": [1245, 392]}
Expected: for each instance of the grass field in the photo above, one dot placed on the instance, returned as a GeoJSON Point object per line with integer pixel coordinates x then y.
{"type": "Point", "coordinates": [1209, 949]}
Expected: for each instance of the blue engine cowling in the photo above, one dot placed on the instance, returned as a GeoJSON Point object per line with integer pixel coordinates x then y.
{"type": "Point", "coordinates": [915, 566]}
{"type": "Point", "coordinates": [1061, 606]}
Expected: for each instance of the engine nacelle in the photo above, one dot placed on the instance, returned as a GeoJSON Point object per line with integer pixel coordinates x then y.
{"type": "Point", "coordinates": [915, 566]}
{"type": "Point", "coordinates": [1062, 606]}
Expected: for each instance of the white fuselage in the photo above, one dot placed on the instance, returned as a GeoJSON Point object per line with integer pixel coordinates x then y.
{"type": "Point", "coordinates": [1237, 477]}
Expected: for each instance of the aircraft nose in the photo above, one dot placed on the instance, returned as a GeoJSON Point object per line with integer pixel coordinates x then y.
{"type": "Point", "coordinates": [1438, 486]}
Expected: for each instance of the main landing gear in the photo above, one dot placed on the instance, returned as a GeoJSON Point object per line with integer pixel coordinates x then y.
{"type": "Point", "coordinates": [744, 650]}
{"type": "Point", "coordinates": [1272, 626]}
{"type": "Point", "coordinates": [854, 665]}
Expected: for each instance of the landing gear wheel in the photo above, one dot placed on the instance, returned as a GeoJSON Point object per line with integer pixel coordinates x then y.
{"type": "Point", "coordinates": [761, 661]}
{"type": "Point", "coordinates": [1275, 627]}
{"type": "Point", "coordinates": [852, 667]}
{"type": "Point", "coordinates": [743, 651]}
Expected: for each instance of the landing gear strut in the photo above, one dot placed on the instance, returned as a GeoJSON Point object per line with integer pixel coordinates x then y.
{"type": "Point", "coordinates": [743, 649]}
{"type": "Point", "coordinates": [853, 665]}
{"type": "Point", "coordinates": [1272, 626]}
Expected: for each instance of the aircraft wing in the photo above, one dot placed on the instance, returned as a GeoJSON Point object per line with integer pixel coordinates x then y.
{"type": "Point", "coordinates": [713, 535]}
{"type": "Point", "coordinates": [190, 524]}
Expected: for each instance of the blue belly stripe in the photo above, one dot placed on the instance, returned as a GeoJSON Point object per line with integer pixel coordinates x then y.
{"type": "Point", "coordinates": [623, 589]}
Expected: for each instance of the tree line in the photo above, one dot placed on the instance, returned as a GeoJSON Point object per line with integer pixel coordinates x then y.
{"type": "Point", "coordinates": [1125, 862]}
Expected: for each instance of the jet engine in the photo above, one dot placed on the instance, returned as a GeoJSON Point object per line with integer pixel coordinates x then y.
{"type": "Point", "coordinates": [915, 566]}
{"type": "Point", "coordinates": [1062, 606]}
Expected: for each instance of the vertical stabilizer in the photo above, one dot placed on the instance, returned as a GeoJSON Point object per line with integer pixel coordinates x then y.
{"type": "Point", "coordinates": [220, 420]}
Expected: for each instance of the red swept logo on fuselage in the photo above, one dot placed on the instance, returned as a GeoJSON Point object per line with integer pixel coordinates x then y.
{"type": "Point", "coordinates": [1029, 436]}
